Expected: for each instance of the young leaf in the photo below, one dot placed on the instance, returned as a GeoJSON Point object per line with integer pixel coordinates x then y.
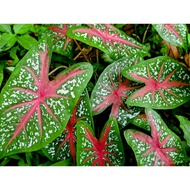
{"type": "Point", "coordinates": [141, 121]}
{"type": "Point", "coordinates": [22, 28]}
{"type": "Point", "coordinates": [176, 34]}
{"type": "Point", "coordinates": [64, 146]}
{"type": "Point", "coordinates": [162, 148]}
{"type": "Point", "coordinates": [61, 43]}
{"type": "Point", "coordinates": [166, 81]}
{"type": "Point", "coordinates": [26, 41]}
{"type": "Point", "coordinates": [107, 151]}
{"type": "Point", "coordinates": [108, 39]}
{"type": "Point", "coordinates": [112, 89]}
{"type": "Point", "coordinates": [5, 28]}
{"type": "Point", "coordinates": [185, 126]}
{"type": "Point", "coordinates": [35, 110]}
{"type": "Point", "coordinates": [7, 41]}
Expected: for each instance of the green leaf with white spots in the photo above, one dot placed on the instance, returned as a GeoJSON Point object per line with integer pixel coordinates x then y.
{"type": "Point", "coordinates": [141, 121]}
{"type": "Point", "coordinates": [107, 151]}
{"type": "Point", "coordinates": [62, 44]}
{"type": "Point", "coordinates": [167, 83]}
{"type": "Point", "coordinates": [64, 146]}
{"type": "Point", "coordinates": [162, 148]}
{"type": "Point", "coordinates": [185, 126]}
{"type": "Point", "coordinates": [175, 34]}
{"type": "Point", "coordinates": [35, 110]}
{"type": "Point", "coordinates": [112, 89]}
{"type": "Point", "coordinates": [112, 41]}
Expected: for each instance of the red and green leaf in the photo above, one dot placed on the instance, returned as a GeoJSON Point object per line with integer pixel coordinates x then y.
{"type": "Point", "coordinates": [107, 151]}
{"type": "Point", "coordinates": [162, 148]}
{"type": "Point", "coordinates": [167, 83]}
{"type": "Point", "coordinates": [108, 39]}
{"type": "Point", "coordinates": [175, 34]}
{"type": "Point", "coordinates": [112, 89]}
{"type": "Point", "coordinates": [62, 44]}
{"type": "Point", "coordinates": [64, 146]}
{"type": "Point", "coordinates": [35, 110]}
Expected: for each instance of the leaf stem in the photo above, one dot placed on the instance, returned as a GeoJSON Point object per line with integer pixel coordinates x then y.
{"type": "Point", "coordinates": [62, 66]}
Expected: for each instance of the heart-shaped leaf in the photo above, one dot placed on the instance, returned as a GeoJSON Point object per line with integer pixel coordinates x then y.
{"type": "Point", "coordinates": [35, 110]}
{"type": "Point", "coordinates": [176, 34]}
{"type": "Point", "coordinates": [108, 39]}
{"type": "Point", "coordinates": [162, 148]}
{"type": "Point", "coordinates": [112, 89]}
{"type": "Point", "coordinates": [62, 44]}
{"type": "Point", "coordinates": [64, 146]}
{"type": "Point", "coordinates": [166, 81]}
{"type": "Point", "coordinates": [107, 151]}
{"type": "Point", "coordinates": [185, 126]}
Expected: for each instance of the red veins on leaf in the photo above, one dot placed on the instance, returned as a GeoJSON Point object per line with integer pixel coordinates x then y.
{"type": "Point", "coordinates": [46, 89]}
{"type": "Point", "coordinates": [99, 148]}
{"type": "Point", "coordinates": [117, 92]}
{"type": "Point", "coordinates": [152, 85]}
{"type": "Point", "coordinates": [170, 30]}
{"type": "Point", "coordinates": [105, 36]}
{"type": "Point", "coordinates": [70, 131]}
{"type": "Point", "coordinates": [156, 145]}
{"type": "Point", "coordinates": [61, 33]}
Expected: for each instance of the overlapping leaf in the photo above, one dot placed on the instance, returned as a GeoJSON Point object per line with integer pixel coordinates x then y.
{"type": "Point", "coordinates": [176, 34]}
{"type": "Point", "coordinates": [35, 110]}
{"type": "Point", "coordinates": [107, 151]}
{"type": "Point", "coordinates": [109, 39]}
{"type": "Point", "coordinates": [61, 42]}
{"type": "Point", "coordinates": [167, 83]}
{"type": "Point", "coordinates": [64, 146]}
{"type": "Point", "coordinates": [112, 89]}
{"type": "Point", "coordinates": [162, 148]}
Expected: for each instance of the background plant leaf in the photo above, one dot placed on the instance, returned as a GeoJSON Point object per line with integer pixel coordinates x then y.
{"type": "Point", "coordinates": [7, 41]}
{"type": "Point", "coordinates": [167, 83]}
{"type": "Point", "coordinates": [5, 28]}
{"type": "Point", "coordinates": [22, 28]}
{"type": "Point", "coordinates": [185, 126]}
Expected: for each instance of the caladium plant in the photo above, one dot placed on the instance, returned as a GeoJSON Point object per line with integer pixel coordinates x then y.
{"type": "Point", "coordinates": [167, 83]}
{"type": "Point", "coordinates": [112, 89]}
{"type": "Point", "coordinates": [35, 110]}
{"type": "Point", "coordinates": [162, 148]}
{"type": "Point", "coordinates": [62, 44]}
{"type": "Point", "coordinates": [64, 146]}
{"type": "Point", "coordinates": [107, 151]}
{"type": "Point", "coordinates": [175, 34]}
{"type": "Point", "coordinates": [108, 39]}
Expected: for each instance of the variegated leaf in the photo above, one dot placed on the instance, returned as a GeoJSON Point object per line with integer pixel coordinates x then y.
{"type": "Point", "coordinates": [176, 34]}
{"type": "Point", "coordinates": [141, 121]}
{"type": "Point", "coordinates": [108, 39]}
{"type": "Point", "coordinates": [112, 89]}
{"type": "Point", "coordinates": [64, 146]}
{"type": "Point", "coordinates": [162, 148]}
{"type": "Point", "coordinates": [62, 44]}
{"type": "Point", "coordinates": [35, 110]}
{"type": "Point", "coordinates": [107, 151]}
{"type": "Point", "coordinates": [167, 83]}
